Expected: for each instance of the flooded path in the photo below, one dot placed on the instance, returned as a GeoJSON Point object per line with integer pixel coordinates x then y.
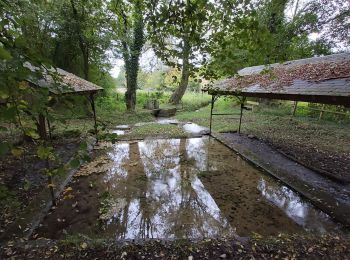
{"type": "Point", "coordinates": [177, 188]}
{"type": "Point", "coordinates": [192, 129]}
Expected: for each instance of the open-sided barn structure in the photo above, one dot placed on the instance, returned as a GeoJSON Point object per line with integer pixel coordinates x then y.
{"type": "Point", "coordinates": [321, 80]}
{"type": "Point", "coordinates": [60, 82]}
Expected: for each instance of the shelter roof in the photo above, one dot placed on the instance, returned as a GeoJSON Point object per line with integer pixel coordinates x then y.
{"type": "Point", "coordinates": [321, 79]}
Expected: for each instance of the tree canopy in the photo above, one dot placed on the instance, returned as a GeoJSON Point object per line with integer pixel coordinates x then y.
{"type": "Point", "coordinates": [198, 39]}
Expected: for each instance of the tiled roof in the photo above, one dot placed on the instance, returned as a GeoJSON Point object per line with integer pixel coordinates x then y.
{"type": "Point", "coordinates": [313, 79]}
{"type": "Point", "coordinates": [61, 82]}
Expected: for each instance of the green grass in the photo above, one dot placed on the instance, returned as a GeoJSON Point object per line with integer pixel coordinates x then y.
{"type": "Point", "coordinates": [275, 123]}
{"type": "Point", "coordinates": [192, 101]}
{"type": "Point", "coordinates": [157, 130]}
{"type": "Point", "coordinates": [72, 116]}
{"type": "Point", "coordinates": [220, 123]}
{"type": "Point", "coordinates": [65, 127]}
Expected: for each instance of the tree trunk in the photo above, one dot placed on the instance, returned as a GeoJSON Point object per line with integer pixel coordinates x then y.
{"type": "Point", "coordinates": [185, 74]}
{"type": "Point", "coordinates": [86, 63]}
{"type": "Point", "coordinates": [82, 43]}
{"type": "Point", "coordinates": [131, 57]}
{"type": "Point", "coordinates": [131, 84]}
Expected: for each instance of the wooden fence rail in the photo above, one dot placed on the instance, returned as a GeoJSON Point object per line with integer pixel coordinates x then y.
{"type": "Point", "coordinates": [322, 111]}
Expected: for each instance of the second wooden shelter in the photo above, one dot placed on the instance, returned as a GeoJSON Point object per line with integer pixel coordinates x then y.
{"type": "Point", "coordinates": [323, 80]}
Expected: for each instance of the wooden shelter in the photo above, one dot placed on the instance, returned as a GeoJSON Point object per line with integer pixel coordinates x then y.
{"type": "Point", "coordinates": [321, 80]}
{"type": "Point", "coordinates": [60, 82]}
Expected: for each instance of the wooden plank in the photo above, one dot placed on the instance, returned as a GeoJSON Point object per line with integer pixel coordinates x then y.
{"type": "Point", "coordinates": [325, 99]}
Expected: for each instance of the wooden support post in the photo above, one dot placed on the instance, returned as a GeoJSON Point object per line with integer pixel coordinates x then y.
{"type": "Point", "coordinates": [49, 128]}
{"type": "Point", "coordinates": [322, 111]}
{"type": "Point", "coordinates": [92, 102]}
{"type": "Point", "coordinates": [41, 126]}
{"type": "Point", "coordinates": [211, 112]}
{"type": "Point", "coordinates": [52, 192]}
{"type": "Point", "coordinates": [240, 118]}
{"type": "Point", "coordinates": [50, 183]}
{"type": "Point", "coordinates": [295, 107]}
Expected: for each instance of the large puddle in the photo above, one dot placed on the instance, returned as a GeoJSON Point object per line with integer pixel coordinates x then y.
{"type": "Point", "coordinates": [178, 188]}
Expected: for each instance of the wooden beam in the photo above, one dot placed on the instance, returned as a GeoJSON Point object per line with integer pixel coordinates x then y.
{"type": "Point", "coordinates": [92, 102]}
{"type": "Point", "coordinates": [41, 127]}
{"type": "Point", "coordinates": [241, 115]}
{"type": "Point", "coordinates": [295, 107]}
{"type": "Point", "coordinates": [321, 112]}
{"type": "Point", "coordinates": [211, 112]}
{"type": "Point", "coordinates": [323, 99]}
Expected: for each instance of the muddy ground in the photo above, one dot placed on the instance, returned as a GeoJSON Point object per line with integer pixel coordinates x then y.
{"type": "Point", "coordinates": [22, 177]}
{"type": "Point", "coordinates": [282, 247]}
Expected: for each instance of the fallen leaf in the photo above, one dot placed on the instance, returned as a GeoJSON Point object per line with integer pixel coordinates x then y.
{"type": "Point", "coordinates": [83, 245]}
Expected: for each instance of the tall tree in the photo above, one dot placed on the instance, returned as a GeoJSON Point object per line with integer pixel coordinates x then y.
{"type": "Point", "coordinates": [180, 32]}
{"type": "Point", "coordinates": [81, 33]}
{"type": "Point", "coordinates": [333, 21]}
{"type": "Point", "coordinates": [128, 27]}
{"type": "Point", "coordinates": [177, 30]}
{"type": "Point", "coordinates": [271, 34]}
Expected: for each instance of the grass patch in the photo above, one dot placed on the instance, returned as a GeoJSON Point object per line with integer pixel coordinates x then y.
{"type": "Point", "coordinates": [192, 101]}
{"type": "Point", "coordinates": [275, 124]}
{"type": "Point", "coordinates": [73, 127]}
{"type": "Point", "coordinates": [157, 130]}
{"type": "Point", "coordinates": [220, 123]}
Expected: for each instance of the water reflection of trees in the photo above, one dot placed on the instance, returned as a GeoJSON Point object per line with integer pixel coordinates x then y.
{"type": "Point", "coordinates": [163, 195]}
{"type": "Point", "coordinates": [158, 193]}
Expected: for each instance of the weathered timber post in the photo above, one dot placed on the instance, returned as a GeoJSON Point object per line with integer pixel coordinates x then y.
{"type": "Point", "coordinates": [211, 112]}
{"type": "Point", "coordinates": [52, 193]}
{"type": "Point", "coordinates": [48, 125]}
{"type": "Point", "coordinates": [295, 107]}
{"type": "Point", "coordinates": [240, 117]}
{"type": "Point", "coordinates": [92, 102]}
{"type": "Point", "coordinates": [322, 111]}
{"type": "Point", "coordinates": [41, 127]}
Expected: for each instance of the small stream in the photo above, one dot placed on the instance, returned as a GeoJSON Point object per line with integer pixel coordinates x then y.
{"type": "Point", "coordinates": [178, 188]}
